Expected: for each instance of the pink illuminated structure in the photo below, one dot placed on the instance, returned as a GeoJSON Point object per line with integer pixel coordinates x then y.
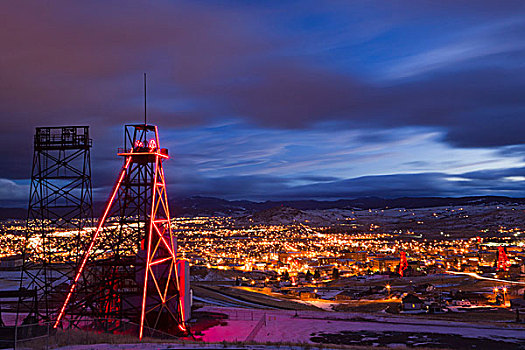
{"type": "Point", "coordinates": [129, 269]}
{"type": "Point", "coordinates": [503, 260]}
{"type": "Point", "coordinates": [403, 264]}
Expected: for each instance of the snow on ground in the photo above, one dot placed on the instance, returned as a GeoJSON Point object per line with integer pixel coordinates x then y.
{"type": "Point", "coordinates": [325, 305]}
{"type": "Point", "coordinates": [284, 326]}
{"type": "Point", "coordinates": [376, 277]}
{"type": "Point", "coordinates": [329, 294]}
{"type": "Point", "coordinates": [213, 301]}
{"type": "Point", "coordinates": [10, 280]}
{"type": "Point", "coordinates": [299, 326]}
{"type": "Point", "coordinates": [168, 346]}
{"type": "Point", "coordinates": [210, 276]}
{"type": "Point", "coordinates": [237, 330]}
{"type": "Point", "coordinates": [448, 285]}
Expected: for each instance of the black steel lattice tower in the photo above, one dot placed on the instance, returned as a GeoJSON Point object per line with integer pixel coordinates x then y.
{"type": "Point", "coordinates": [60, 207]}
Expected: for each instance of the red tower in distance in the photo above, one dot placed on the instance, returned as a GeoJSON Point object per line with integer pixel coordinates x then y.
{"type": "Point", "coordinates": [129, 268]}
{"type": "Point", "coordinates": [503, 260]}
{"type": "Point", "coordinates": [403, 263]}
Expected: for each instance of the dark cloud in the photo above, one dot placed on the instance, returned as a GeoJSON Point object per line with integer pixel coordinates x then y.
{"type": "Point", "coordinates": [384, 186]}
{"type": "Point", "coordinates": [494, 175]}
{"type": "Point", "coordinates": [513, 151]}
{"type": "Point", "coordinates": [475, 108]}
{"type": "Point", "coordinates": [507, 182]}
{"type": "Point", "coordinates": [319, 178]}
{"type": "Point", "coordinates": [72, 64]}
{"type": "Point", "coordinates": [417, 164]}
{"type": "Point", "coordinates": [233, 187]}
{"type": "Point", "coordinates": [82, 61]}
{"type": "Point", "coordinates": [13, 194]}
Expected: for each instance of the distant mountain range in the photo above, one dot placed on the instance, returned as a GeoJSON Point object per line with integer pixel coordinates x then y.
{"type": "Point", "coordinates": [206, 206]}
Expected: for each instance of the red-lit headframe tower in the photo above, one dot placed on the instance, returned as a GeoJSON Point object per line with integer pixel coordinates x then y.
{"type": "Point", "coordinates": [129, 268]}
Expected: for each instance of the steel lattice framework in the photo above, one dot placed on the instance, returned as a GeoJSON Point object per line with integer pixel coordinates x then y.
{"type": "Point", "coordinates": [129, 266]}
{"type": "Point", "coordinates": [60, 206]}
